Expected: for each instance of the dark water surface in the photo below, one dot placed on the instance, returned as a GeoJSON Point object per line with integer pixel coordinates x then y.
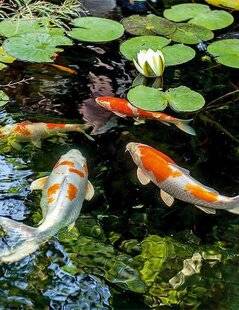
{"type": "Point", "coordinates": [128, 251]}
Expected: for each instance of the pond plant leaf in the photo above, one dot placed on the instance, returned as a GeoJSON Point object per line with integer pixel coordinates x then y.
{"type": "Point", "coordinates": [147, 98]}
{"type": "Point", "coordinates": [35, 47]}
{"type": "Point", "coordinates": [226, 52]}
{"type": "Point", "coordinates": [185, 11]}
{"type": "Point", "coordinates": [3, 98]}
{"type": "Point", "coordinates": [177, 54]}
{"type": "Point", "coordinates": [213, 20]}
{"type": "Point", "coordinates": [160, 25]}
{"type": "Point", "coordinates": [10, 27]}
{"type": "Point", "coordinates": [5, 58]}
{"type": "Point", "coordinates": [137, 25]}
{"type": "Point", "coordinates": [226, 4]}
{"type": "Point", "coordinates": [183, 99]}
{"type": "Point", "coordinates": [96, 29]}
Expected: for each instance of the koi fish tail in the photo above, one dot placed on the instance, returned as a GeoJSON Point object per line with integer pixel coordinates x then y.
{"type": "Point", "coordinates": [183, 124]}
{"type": "Point", "coordinates": [234, 205]}
{"type": "Point", "coordinates": [82, 128]}
{"type": "Point", "coordinates": [18, 240]}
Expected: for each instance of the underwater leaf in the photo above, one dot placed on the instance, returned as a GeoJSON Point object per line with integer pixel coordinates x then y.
{"type": "Point", "coordinates": [147, 98]}
{"type": "Point", "coordinates": [183, 99]}
{"type": "Point", "coordinates": [131, 47]}
{"type": "Point", "coordinates": [191, 34]}
{"type": "Point", "coordinates": [213, 20]}
{"type": "Point", "coordinates": [160, 25]}
{"type": "Point", "coordinates": [185, 11]}
{"type": "Point", "coordinates": [96, 29]}
{"type": "Point", "coordinates": [226, 52]}
{"type": "Point", "coordinates": [177, 54]}
{"type": "Point", "coordinates": [3, 98]}
{"type": "Point", "coordinates": [137, 25]}
{"type": "Point", "coordinates": [229, 4]}
{"type": "Point", "coordinates": [35, 47]}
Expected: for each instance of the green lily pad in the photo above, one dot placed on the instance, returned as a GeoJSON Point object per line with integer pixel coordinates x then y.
{"type": "Point", "coordinates": [10, 28]}
{"type": "Point", "coordinates": [5, 59]}
{"type": "Point", "coordinates": [96, 29]}
{"type": "Point", "coordinates": [177, 54]}
{"type": "Point", "coordinates": [35, 47]}
{"type": "Point", "coordinates": [161, 25]}
{"type": "Point", "coordinates": [226, 52]}
{"type": "Point", "coordinates": [147, 98]}
{"type": "Point", "coordinates": [137, 25]}
{"type": "Point", "coordinates": [213, 20]}
{"type": "Point", "coordinates": [185, 11]}
{"type": "Point", "coordinates": [191, 34]}
{"type": "Point", "coordinates": [131, 47]}
{"type": "Point", "coordinates": [183, 99]}
{"type": "Point", "coordinates": [3, 98]}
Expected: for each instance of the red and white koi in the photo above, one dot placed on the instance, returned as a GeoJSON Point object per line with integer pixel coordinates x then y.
{"type": "Point", "coordinates": [63, 193]}
{"type": "Point", "coordinates": [35, 132]}
{"type": "Point", "coordinates": [123, 108]}
{"type": "Point", "coordinates": [176, 182]}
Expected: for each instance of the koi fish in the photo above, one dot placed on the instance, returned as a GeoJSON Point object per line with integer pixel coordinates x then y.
{"type": "Point", "coordinates": [176, 182]}
{"type": "Point", "coordinates": [123, 108]}
{"type": "Point", "coordinates": [35, 132]}
{"type": "Point", "coordinates": [63, 193]}
{"type": "Point", "coordinates": [65, 69]}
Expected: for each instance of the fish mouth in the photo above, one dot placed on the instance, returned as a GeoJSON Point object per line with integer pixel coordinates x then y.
{"type": "Point", "coordinates": [131, 147]}
{"type": "Point", "coordinates": [75, 154]}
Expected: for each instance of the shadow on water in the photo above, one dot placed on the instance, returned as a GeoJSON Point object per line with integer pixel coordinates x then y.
{"type": "Point", "coordinates": [115, 257]}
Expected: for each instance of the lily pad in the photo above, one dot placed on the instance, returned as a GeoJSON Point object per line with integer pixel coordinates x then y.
{"type": "Point", "coordinates": [177, 54]}
{"type": "Point", "coordinates": [96, 29]}
{"type": "Point", "coordinates": [213, 20]}
{"type": "Point", "coordinates": [147, 98]}
{"type": "Point", "coordinates": [191, 34]}
{"type": "Point", "coordinates": [160, 25]}
{"type": "Point", "coordinates": [131, 47]}
{"type": "Point", "coordinates": [137, 25]}
{"type": "Point", "coordinates": [10, 28]}
{"type": "Point", "coordinates": [227, 4]}
{"type": "Point", "coordinates": [226, 52]}
{"type": "Point", "coordinates": [5, 57]}
{"type": "Point", "coordinates": [185, 11]}
{"type": "Point", "coordinates": [183, 99]}
{"type": "Point", "coordinates": [35, 47]}
{"type": "Point", "coordinates": [3, 98]}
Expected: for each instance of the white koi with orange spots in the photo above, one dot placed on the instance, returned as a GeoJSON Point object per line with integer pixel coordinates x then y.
{"type": "Point", "coordinates": [35, 132]}
{"type": "Point", "coordinates": [176, 182]}
{"type": "Point", "coordinates": [123, 108]}
{"type": "Point", "coordinates": [63, 193]}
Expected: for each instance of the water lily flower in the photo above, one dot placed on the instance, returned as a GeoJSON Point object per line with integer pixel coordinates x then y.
{"type": "Point", "coordinates": [150, 63]}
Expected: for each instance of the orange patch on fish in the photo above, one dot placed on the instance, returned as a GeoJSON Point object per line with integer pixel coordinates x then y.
{"type": "Point", "coordinates": [117, 105]}
{"type": "Point", "coordinates": [65, 69]}
{"type": "Point", "coordinates": [22, 129]}
{"type": "Point", "coordinates": [52, 190]}
{"type": "Point", "coordinates": [67, 163]}
{"type": "Point", "coordinates": [201, 193]}
{"type": "Point", "coordinates": [55, 126]}
{"type": "Point", "coordinates": [158, 163]}
{"type": "Point", "coordinates": [71, 191]}
{"type": "Point", "coordinates": [76, 171]}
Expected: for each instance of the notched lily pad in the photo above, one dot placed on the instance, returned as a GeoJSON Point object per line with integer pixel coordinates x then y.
{"type": "Point", "coordinates": [10, 27]}
{"type": "Point", "coordinates": [96, 29]}
{"type": "Point", "coordinates": [147, 98]}
{"type": "Point", "coordinates": [226, 52]}
{"type": "Point", "coordinates": [177, 54]}
{"type": "Point", "coordinates": [161, 25]}
{"type": "Point", "coordinates": [35, 47]}
{"type": "Point", "coordinates": [213, 20]}
{"type": "Point", "coordinates": [137, 25]}
{"type": "Point", "coordinates": [3, 98]}
{"type": "Point", "coordinates": [131, 47]}
{"type": "Point", "coordinates": [185, 11]}
{"type": "Point", "coordinates": [183, 99]}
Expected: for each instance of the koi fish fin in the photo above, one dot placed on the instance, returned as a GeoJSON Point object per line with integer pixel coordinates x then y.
{"type": "Point", "coordinates": [143, 178]}
{"type": "Point", "coordinates": [183, 125]}
{"type": "Point", "coordinates": [71, 226]}
{"type": "Point", "coordinates": [165, 123]}
{"type": "Point", "coordinates": [36, 143]}
{"type": "Point", "coordinates": [184, 170]}
{"type": "Point", "coordinates": [138, 121]}
{"type": "Point", "coordinates": [234, 205]}
{"type": "Point", "coordinates": [119, 114]}
{"type": "Point", "coordinates": [167, 199]}
{"type": "Point", "coordinates": [89, 191]}
{"type": "Point", "coordinates": [206, 209]}
{"type": "Point", "coordinates": [20, 239]}
{"type": "Point", "coordinates": [81, 128]}
{"type": "Point", "coordinates": [38, 184]}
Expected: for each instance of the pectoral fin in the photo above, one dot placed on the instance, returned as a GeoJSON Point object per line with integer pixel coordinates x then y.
{"type": "Point", "coordinates": [167, 199]}
{"type": "Point", "coordinates": [89, 191]}
{"type": "Point", "coordinates": [206, 210]}
{"type": "Point", "coordinates": [38, 184]}
{"type": "Point", "coordinates": [143, 179]}
{"type": "Point", "coordinates": [120, 115]}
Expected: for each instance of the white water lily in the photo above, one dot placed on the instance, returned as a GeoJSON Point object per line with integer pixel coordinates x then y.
{"type": "Point", "coordinates": [150, 63]}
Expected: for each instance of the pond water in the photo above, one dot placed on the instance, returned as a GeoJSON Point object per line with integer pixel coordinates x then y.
{"type": "Point", "coordinates": [128, 251]}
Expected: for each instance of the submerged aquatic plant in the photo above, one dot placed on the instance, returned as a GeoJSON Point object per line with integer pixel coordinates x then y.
{"type": "Point", "coordinates": [150, 63]}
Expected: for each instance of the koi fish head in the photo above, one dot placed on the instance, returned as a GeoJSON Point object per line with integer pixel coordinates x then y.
{"type": "Point", "coordinates": [74, 156]}
{"type": "Point", "coordinates": [104, 102]}
{"type": "Point", "coordinates": [133, 149]}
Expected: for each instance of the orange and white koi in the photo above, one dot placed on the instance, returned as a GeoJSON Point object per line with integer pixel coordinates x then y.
{"type": "Point", "coordinates": [35, 132]}
{"type": "Point", "coordinates": [63, 193]}
{"type": "Point", "coordinates": [176, 182]}
{"type": "Point", "coordinates": [123, 108]}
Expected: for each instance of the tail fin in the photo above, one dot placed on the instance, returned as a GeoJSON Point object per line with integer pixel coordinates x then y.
{"type": "Point", "coordinates": [183, 124]}
{"type": "Point", "coordinates": [81, 128]}
{"type": "Point", "coordinates": [20, 240]}
{"type": "Point", "coordinates": [234, 205]}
